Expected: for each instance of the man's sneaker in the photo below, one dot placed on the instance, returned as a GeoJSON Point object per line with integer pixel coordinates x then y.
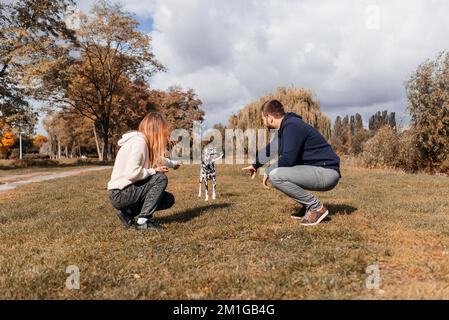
{"type": "Point", "coordinates": [313, 217]}
{"type": "Point", "coordinates": [125, 218]}
{"type": "Point", "coordinates": [150, 224]}
{"type": "Point", "coordinates": [298, 214]}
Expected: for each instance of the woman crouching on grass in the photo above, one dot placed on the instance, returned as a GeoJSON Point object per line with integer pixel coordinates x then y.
{"type": "Point", "coordinates": [138, 180]}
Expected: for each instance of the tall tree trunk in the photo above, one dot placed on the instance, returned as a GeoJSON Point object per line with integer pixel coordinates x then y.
{"type": "Point", "coordinates": [101, 149]}
{"type": "Point", "coordinates": [50, 140]}
{"type": "Point", "coordinates": [114, 152]}
{"type": "Point", "coordinates": [59, 149]}
{"type": "Point", "coordinates": [100, 153]}
{"type": "Point", "coordinates": [105, 139]}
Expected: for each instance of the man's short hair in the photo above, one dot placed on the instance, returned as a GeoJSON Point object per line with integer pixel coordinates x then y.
{"type": "Point", "coordinates": [273, 108]}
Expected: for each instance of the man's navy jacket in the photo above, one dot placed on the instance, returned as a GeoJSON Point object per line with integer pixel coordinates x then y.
{"type": "Point", "coordinates": [302, 144]}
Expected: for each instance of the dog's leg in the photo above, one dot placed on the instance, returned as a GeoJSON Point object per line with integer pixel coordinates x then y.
{"type": "Point", "coordinates": [201, 181]}
{"type": "Point", "coordinates": [214, 184]}
{"type": "Point", "coordinates": [206, 189]}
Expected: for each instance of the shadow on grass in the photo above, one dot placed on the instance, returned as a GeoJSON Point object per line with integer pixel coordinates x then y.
{"type": "Point", "coordinates": [190, 214]}
{"type": "Point", "coordinates": [338, 209]}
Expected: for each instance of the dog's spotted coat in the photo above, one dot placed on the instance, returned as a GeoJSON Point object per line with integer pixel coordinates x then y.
{"type": "Point", "coordinates": [208, 172]}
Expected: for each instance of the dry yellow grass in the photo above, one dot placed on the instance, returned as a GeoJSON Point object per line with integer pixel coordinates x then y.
{"type": "Point", "coordinates": [241, 246]}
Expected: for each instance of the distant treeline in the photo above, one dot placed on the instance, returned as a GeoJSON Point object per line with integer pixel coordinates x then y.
{"type": "Point", "coordinates": [349, 133]}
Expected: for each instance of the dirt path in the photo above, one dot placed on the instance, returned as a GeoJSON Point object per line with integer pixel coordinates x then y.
{"type": "Point", "coordinates": [14, 181]}
{"type": "Point", "coordinates": [24, 176]}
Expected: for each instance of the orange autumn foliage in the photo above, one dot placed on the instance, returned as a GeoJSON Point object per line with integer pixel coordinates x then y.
{"type": "Point", "coordinates": [6, 142]}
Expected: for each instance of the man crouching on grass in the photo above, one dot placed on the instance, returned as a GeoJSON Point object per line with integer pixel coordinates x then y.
{"type": "Point", "coordinates": [306, 162]}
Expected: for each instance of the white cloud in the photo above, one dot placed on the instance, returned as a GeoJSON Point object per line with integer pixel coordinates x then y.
{"type": "Point", "coordinates": [356, 55]}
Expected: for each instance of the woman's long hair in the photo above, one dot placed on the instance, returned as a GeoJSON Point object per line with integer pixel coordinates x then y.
{"type": "Point", "coordinates": [155, 128]}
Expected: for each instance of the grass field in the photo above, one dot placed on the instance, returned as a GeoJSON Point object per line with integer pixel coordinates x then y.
{"type": "Point", "coordinates": [241, 246]}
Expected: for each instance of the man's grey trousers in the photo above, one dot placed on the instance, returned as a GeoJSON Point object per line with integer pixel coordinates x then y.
{"type": "Point", "coordinates": [297, 181]}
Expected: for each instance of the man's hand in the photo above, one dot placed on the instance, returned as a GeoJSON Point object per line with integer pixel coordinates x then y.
{"type": "Point", "coordinates": [251, 170]}
{"type": "Point", "coordinates": [265, 181]}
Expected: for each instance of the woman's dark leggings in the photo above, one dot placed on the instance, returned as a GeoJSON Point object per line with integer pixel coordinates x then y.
{"type": "Point", "coordinates": [143, 197]}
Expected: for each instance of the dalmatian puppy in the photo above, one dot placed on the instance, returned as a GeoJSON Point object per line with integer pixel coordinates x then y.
{"type": "Point", "coordinates": [208, 171]}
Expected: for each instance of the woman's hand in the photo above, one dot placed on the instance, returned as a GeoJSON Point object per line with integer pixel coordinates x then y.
{"type": "Point", "coordinates": [176, 164]}
{"type": "Point", "coordinates": [161, 169]}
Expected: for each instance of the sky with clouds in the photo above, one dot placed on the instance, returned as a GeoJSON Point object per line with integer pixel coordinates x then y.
{"type": "Point", "coordinates": [356, 55]}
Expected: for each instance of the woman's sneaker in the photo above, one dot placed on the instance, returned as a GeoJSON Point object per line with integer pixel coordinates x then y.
{"type": "Point", "coordinates": [149, 224]}
{"type": "Point", "coordinates": [314, 217]}
{"type": "Point", "coordinates": [125, 218]}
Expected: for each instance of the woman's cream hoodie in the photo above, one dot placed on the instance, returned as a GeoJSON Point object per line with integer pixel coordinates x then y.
{"type": "Point", "coordinates": [132, 162]}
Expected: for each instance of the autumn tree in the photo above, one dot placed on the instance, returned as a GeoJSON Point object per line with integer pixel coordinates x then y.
{"type": "Point", "coordinates": [381, 119]}
{"type": "Point", "coordinates": [352, 125]}
{"type": "Point", "coordinates": [94, 72]}
{"type": "Point", "coordinates": [298, 100]}
{"type": "Point", "coordinates": [50, 124]}
{"type": "Point", "coordinates": [85, 142]}
{"type": "Point", "coordinates": [337, 135]}
{"type": "Point", "coordinates": [346, 134]}
{"type": "Point", "coordinates": [233, 121]}
{"type": "Point", "coordinates": [181, 107]}
{"type": "Point", "coordinates": [349, 134]}
{"type": "Point", "coordinates": [382, 149]}
{"type": "Point", "coordinates": [358, 122]}
{"type": "Point", "coordinates": [359, 135]}
{"type": "Point", "coordinates": [428, 96]}
{"type": "Point", "coordinates": [6, 142]}
{"type": "Point", "coordinates": [29, 29]}
{"type": "Point", "coordinates": [39, 140]}
{"type": "Point", "coordinates": [409, 157]}
{"type": "Point", "coordinates": [61, 134]}
{"type": "Point", "coordinates": [69, 134]}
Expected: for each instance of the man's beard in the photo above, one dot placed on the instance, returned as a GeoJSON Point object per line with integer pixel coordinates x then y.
{"type": "Point", "coordinates": [269, 127]}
